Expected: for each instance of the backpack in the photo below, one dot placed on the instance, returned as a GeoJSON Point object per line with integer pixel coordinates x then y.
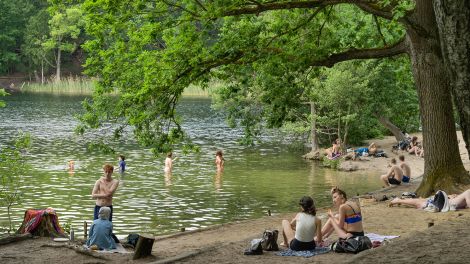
{"type": "Point", "coordinates": [255, 247]}
{"type": "Point", "coordinates": [441, 201]}
{"type": "Point", "coordinates": [269, 240]}
{"type": "Point", "coordinates": [351, 245]}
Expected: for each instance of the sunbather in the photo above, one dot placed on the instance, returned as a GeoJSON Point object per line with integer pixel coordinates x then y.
{"type": "Point", "coordinates": [335, 150]}
{"type": "Point", "coordinates": [460, 201]}
{"type": "Point", "coordinates": [348, 222]}
{"type": "Point", "coordinates": [300, 232]}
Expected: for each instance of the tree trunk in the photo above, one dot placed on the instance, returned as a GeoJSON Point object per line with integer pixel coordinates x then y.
{"type": "Point", "coordinates": [313, 128]}
{"type": "Point", "coordinates": [346, 128]}
{"type": "Point", "coordinates": [57, 77]}
{"type": "Point", "coordinates": [443, 168]}
{"type": "Point", "coordinates": [36, 76]}
{"type": "Point", "coordinates": [144, 245]}
{"type": "Point", "coordinates": [396, 131]}
{"type": "Point", "coordinates": [42, 71]}
{"type": "Point", "coordinates": [453, 21]}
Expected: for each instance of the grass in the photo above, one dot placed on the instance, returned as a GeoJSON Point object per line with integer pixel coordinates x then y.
{"type": "Point", "coordinates": [68, 85]}
{"type": "Point", "coordinates": [84, 86]}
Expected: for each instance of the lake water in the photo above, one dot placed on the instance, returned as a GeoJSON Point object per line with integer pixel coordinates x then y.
{"type": "Point", "coordinates": [271, 176]}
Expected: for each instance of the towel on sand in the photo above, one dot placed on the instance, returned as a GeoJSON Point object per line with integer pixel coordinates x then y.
{"type": "Point", "coordinates": [380, 238]}
{"type": "Point", "coordinates": [304, 253]}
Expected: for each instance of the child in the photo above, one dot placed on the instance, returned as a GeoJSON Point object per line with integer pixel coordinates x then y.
{"type": "Point", "coordinates": [122, 164]}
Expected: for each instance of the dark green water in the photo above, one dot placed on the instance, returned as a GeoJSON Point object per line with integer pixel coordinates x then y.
{"type": "Point", "coordinates": [270, 176]}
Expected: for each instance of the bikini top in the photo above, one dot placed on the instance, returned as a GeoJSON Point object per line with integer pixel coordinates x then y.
{"type": "Point", "coordinates": [354, 217]}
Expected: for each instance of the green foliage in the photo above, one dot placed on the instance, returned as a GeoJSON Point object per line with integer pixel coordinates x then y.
{"type": "Point", "coordinates": [36, 35]}
{"type": "Point", "coordinates": [333, 164]}
{"type": "Point", "coordinates": [14, 15]}
{"type": "Point", "coordinates": [13, 169]}
{"type": "Point", "coordinates": [148, 52]}
{"type": "Point", "coordinates": [2, 93]}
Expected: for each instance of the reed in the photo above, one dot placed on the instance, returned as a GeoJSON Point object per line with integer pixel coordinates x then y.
{"type": "Point", "coordinates": [67, 85]}
{"type": "Point", "coordinates": [84, 86]}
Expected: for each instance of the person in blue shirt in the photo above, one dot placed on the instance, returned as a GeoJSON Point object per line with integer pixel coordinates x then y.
{"type": "Point", "coordinates": [101, 231]}
{"type": "Point", "coordinates": [122, 164]}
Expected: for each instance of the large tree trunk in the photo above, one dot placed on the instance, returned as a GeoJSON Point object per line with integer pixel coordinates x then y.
{"type": "Point", "coordinates": [443, 168]}
{"type": "Point", "coordinates": [453, 21]}
{"type": "Point", "coordinates": [396, 131]}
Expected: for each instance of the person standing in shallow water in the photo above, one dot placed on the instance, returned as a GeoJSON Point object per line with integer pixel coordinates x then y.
{"type": "Point", "coordinates": [169, 163]}
{"type": "Point", "coordinates": [219, 160]}
{"type": "Point", "coordinates": [103, 191]}
{"type": "Point", "coordinates": [122, 164]}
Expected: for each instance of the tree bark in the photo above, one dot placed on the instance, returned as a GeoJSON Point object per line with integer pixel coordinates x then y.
{"type": "Point", "coordinates": [144, 246]}
{"type": "Point", "coordinates": [443, 167]}
{"type": "Point", "coordinates": [313, 128]}
{"type": "Point", "coordinates": [396, 131]}
{"type": "Point", "coordinates": [453, 21]}
{"type": "Point", "coordinates": [57, 77]}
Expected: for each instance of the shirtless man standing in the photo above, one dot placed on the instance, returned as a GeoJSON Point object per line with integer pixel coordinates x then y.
{"type": "Point", "coordinates": [406, 169]}
{"type": "Point", "coordinates": [394, 175]}
{"type": "Point", "coordinates": [103, 191]}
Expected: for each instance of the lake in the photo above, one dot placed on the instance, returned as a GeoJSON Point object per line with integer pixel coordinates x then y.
{"type": "Point", "coordinates": [270, 176]}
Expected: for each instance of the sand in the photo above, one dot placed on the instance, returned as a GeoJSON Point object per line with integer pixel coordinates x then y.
{"type": "Point", "coordinates": [445, 242]}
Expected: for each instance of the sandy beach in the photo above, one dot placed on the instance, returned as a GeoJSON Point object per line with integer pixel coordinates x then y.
{"type": "Point", "coordinates": [444, 242]}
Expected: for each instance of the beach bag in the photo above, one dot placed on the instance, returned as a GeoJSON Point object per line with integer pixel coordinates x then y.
{"type": "Point", "coordinates": [269, 241]}
{"type": "Point", "coordinates": [351, 245]}
{"type": "Point", "coordinates": [255, 247]}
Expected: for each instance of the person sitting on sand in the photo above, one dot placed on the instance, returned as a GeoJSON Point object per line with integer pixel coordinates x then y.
{"type": "Point", "coordinates": [348, 222]}
{"type": "Point", "coordinates": [101, 231]}
{"type": "Point", "coordinates": [405, 168]}
{"type": "Point", "coordinates": [335, 150]}
{"type": "Point", "coordinates": [300, 232]}
{"type": "Point", "coordinates": [414, 145]}
{"type": "Point", "coordinates": [460, 201]}
{"type": "Point", "coordinates": [394, 175]}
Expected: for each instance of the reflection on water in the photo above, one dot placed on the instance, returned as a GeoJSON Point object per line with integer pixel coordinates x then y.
{"type": "Point", "coordinates": [271, 176]}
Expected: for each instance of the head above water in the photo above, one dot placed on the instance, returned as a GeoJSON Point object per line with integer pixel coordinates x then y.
{"type": "Point", "coordinates": [169, 154]}
{"type": "Point", "coordinates": [307, 204]}
{"type": "Point", "coordinates": [104, 213]}
{"type": "Point", "coordinates": [121, 157]}
{"type": "Point", "coordinates": [219, 153]}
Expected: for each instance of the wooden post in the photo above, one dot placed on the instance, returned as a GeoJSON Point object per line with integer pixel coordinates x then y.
{"type": "Point", "coordinates": [85, 230]}
{"type": "Point", "coordinates": [144, 246]}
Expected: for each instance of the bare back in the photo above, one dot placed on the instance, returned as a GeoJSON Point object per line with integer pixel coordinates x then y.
{"type": "Point", "coordinates": [397, 172]}
{"type": "Point", "coordinates": [406, 169]}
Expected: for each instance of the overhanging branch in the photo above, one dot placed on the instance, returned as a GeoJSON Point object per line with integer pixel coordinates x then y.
{"type": "Point", "coordinates": [353, 54]}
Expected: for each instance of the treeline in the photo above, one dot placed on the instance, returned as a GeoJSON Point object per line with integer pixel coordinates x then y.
{"type": "Point", "coordinates": [39, 36]}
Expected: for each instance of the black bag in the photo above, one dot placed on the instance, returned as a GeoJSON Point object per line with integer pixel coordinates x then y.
{"type": "Point", "coordinates": [132, 239]}
{"type": "Point", "coordinates": [255, 247]}
{"type": "Point", "coordinates": [352, 245]}
{"type": "Point", "coordinates": [269, 242]}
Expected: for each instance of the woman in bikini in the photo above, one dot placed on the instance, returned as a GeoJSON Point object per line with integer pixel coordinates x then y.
{"type": "Point", "coordinates": [348, 222]}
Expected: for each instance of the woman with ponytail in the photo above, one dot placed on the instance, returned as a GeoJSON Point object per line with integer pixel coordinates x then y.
{"type": "Point", "coordinates": [300, 232]}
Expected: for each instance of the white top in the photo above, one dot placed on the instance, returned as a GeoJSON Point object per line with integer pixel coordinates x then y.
{"type": "Point", "coordinates": [305, 227]}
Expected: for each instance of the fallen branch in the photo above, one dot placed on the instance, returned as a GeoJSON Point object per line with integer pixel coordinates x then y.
{"type": "Point", "coordinates": [15, 238]}
{"type": "Point", "coordinates": [78, 250]}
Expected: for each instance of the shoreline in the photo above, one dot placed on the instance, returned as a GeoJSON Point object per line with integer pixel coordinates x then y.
{"type": "Point", "coordinates": [225, 243]}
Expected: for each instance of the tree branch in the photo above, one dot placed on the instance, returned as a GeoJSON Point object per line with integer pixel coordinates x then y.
{"type": "Point", "coordinates": [352, 54]}
{"type": "Point", "coordinates": [259, 8]}
{"type": "Point", "coordinates": [377, 24]}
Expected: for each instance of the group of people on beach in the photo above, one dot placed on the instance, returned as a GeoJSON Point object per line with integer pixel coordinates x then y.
{"type": "Point", "coordinates": [305, 230]}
